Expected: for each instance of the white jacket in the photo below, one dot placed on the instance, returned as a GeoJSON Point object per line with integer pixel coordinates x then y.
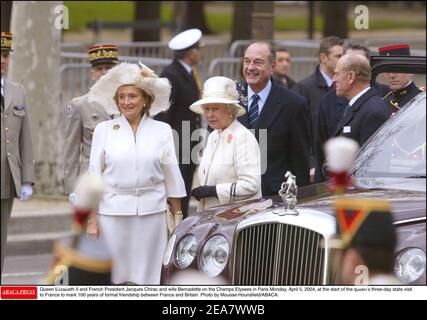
{"type": "Point", "coordinates": [140, 172]}
{"type": "Point", "coordinates": [231, 155]}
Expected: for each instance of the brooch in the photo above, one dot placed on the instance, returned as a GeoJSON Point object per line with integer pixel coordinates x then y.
{"type": "Point", "coordinates": [229, 138]}
{"type": "Point", "coordinates": [116, 127]}
{"type": "Point", "coordinates": [243, 95]}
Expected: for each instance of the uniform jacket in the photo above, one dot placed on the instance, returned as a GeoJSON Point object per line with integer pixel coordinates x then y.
{"type": "Point", "coordinates": [231, 155]}
{"type": "Point", "coordinates": [81, 119]}
{"type": "Point", "coordinates": [140, 172]}
{"type": "Point", "coordinates": [184, 93]}
{"type": "Point", "coordinates": [397, 99]}
{"type": "Point", "coordinates": [285, 147]}
{"type": "Point", "coordinates": [17, 159]}
{"type": "Point", "coordinates": [363, 118]}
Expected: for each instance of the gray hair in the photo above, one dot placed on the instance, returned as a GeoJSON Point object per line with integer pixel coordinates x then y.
{"type": "Point", "coordinates": [359, 65]}
{"type": "Point", "coordinates": [231, 109]}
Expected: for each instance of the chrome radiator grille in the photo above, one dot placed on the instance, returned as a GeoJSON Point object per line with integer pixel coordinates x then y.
{"type": "Point", "coordinates": [277, 254]}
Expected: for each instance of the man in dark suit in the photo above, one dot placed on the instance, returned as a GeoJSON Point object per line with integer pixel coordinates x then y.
{"type": "Point", "coordinates": [277, 116]}
{"type": "Point", "coordinates": [186, 88]}
{"type": "Point", "coordinates": [283, 65]}
{"type": "Point", "coordinates": [366, 112]}
{"type": "Point", "coordinates": [331, 110]}
{"type": "Point", "coordinates": [315, 86]}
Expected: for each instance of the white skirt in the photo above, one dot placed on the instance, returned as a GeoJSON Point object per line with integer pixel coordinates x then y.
{"type": "Point", "coordinates": [137, 245]}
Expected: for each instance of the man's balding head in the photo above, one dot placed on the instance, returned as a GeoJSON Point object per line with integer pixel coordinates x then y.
{"type": "Point", "coordinates": [358, 64]}
{"type": "Point", "coordinates": [352, 75]}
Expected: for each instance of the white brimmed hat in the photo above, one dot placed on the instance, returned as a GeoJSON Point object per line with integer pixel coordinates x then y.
{"type": "Point", "coordinates": [185, 39]}
{"type": "Point", "coordinates": [141, 76]}
{"type": "Point", "coordinates": [219, 90]}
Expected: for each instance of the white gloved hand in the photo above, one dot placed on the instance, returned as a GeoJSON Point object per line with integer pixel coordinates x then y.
{"type": "Point", "coordinates": [26, 191]}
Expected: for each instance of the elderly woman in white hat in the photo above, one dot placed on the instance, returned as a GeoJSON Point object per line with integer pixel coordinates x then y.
{"type": "Point", "coordinates": [230, 168]}
{"type": "Point", "coordinates": [135, 155]}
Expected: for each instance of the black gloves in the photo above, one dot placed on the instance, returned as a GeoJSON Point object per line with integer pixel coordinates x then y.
{"type": "Point", "coordinates": [204, 192]}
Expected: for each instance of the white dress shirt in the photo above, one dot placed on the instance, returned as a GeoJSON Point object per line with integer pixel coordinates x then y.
{"type": "Point", "coordinates": [140, 170]}
{"type": "Point", "coordinates": [231, 155]}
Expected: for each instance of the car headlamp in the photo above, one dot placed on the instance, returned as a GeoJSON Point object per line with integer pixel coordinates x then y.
{"type": "Point", "coordinates": [214, 257]}
{"type": "Point", "coordinates": [410, 265]}
{"type": "Point", "coordinates": [186, 251]}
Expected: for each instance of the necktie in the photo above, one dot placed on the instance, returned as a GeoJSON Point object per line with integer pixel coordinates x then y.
{"type": "Point", "coordinates": [196, 77]}
{"type": "Point", "coordinates": [346, 109]}
{"type": "Point", "coordinates": [253, 111]}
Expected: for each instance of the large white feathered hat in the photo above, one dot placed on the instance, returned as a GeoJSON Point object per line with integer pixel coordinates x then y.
{"type": "Point", "coordinates": [141, 76]}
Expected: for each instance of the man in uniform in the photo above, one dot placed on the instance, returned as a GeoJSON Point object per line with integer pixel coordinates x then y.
{"type": "Point", "coordinates": [366, 239]}
{"type": "Point", "coordinates": [88, 261]}
{"type": "Point", "coordinates": [402, 87]}
{"type": "Point", "coordinates": [17, 161]}
{"type": "Point", "coordinates": [186, 89]}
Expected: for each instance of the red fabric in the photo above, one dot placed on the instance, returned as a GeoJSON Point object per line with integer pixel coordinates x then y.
{"type": "Point", "coordinates": [399, 46]}
{"type": "Point", "coordinates": [339, 181]}
{"type": "Point", "coordinates": [80, 216]}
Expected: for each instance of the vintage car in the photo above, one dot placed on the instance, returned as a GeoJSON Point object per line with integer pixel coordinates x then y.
{"type": "Point", "coordinates": [259, 243]}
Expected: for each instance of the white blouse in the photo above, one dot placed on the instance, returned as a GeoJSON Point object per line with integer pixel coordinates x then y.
{"type": "Point", "coordinates": [140, 171]}
{"type": "Point", "coordinates": [231, 155]}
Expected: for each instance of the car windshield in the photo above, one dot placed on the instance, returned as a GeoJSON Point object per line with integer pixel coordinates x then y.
{"type": "Point", "coordinates": [398, 149]}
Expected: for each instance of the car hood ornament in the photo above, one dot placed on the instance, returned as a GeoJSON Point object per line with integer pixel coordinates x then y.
{"type": "Point", "coordinates": [288, 192]}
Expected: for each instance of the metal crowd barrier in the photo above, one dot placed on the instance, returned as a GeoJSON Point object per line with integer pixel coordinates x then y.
{"type": "Point", "coordinates": [152, 49]}
{"type": "Point", "coordinates": [231, 67]}
{"type": "Point", "coordinates": [309, 48]}
{"type": "Point", "coordinates": [297, 48]}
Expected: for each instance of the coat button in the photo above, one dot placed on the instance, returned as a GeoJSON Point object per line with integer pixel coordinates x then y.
{"type": "Point", "coordinates": [7, 141]}
{"type": "Point", "coordinates": [6, 129]}
{"type": "Point", "coordinates": [8, 154]}
{"type": "Point", "coordinates": [5, 116]}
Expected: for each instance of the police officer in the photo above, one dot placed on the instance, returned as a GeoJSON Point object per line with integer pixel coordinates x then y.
{"type": "Point", "coordinates": [402, 87]}
{"type": "Point", "coordinates": [87, 261]}
{"type": "Point", "coordinates": [186, 89]}
{"type": "Point", "coordinates": [366, 240]}
{"type": "Point", "coordinates": [17, 161]}
{"type": "Point", "coordinates": [82, 116]}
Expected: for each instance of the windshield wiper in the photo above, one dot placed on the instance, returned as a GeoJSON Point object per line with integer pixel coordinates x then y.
{"type": "Point", "coordinates": [416, 177]}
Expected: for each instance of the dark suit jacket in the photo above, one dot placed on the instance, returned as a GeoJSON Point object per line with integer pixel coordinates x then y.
{"type": "Point", "coordinates": [363, 118]}
{"type": "Point", "coordinates": [312, 88]}
{"type": "Point", "coordinates": [289, 82]}
{"type": "Point", "coordinates": [184, 93]}
{"type": "Point", "coordinates": [284, 116]}
{"type": "Point", "coordinates": [330, 112]}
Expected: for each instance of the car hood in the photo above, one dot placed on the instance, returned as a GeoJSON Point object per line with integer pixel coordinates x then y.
{"type": "Point", "coordinates": [407, 205]}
